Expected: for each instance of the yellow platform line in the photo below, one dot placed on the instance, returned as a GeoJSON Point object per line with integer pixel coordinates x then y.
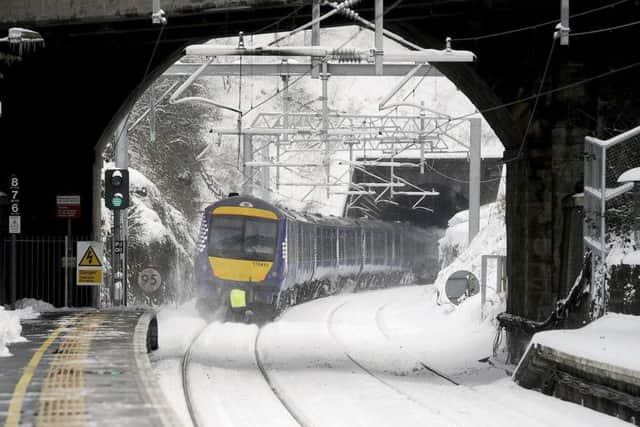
{"type": "Point", "coordinates": [15, 407]}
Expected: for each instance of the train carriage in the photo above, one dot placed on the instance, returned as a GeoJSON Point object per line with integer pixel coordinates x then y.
{"type": "Point", "coordinates": [255, 257]}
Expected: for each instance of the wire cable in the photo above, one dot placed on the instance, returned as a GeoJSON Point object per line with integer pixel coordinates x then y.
{"type": "Point", "coordinates": [537, 98]}
{"type": "Point", "coordinates": [300, 77]}
{"type": "Point", "coordinates": [273, 24]}
{"type": "Point", "coordinates": [536, 26]}
{"type": "Point", "coordinates": [602, 30]}
{"type": "Point", "coordinates": [144, 76]}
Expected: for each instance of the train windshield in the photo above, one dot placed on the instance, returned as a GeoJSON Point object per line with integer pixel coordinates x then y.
{"type": "Point", "coordinates": [242, 237]}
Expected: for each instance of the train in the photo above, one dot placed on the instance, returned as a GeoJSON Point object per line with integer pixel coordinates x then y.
{"type": "Point", "coordinates": [256, 259]}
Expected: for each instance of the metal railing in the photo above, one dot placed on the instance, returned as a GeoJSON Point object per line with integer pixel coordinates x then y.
{"type": "Point", "coordinates": [40, 270]}
{"type": "Point", "coordinates": [501, 279]}
{"type": "Point", "coordinates": [596, 196]}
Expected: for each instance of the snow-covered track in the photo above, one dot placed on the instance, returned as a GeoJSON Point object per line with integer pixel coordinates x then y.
{"type": "Point", "coordinates": [222, 370]}
{"type": "Point", "coordinates": [288, 406]}
{"type": "Point", "coordinates": [186, 359]}
{"type": "Point", "coordinates": [362, 365]}
{"type": "Point", "coordinates": [383, 332]}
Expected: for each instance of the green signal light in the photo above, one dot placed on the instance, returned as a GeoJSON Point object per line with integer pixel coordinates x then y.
{"type": "Point", "coordinates": [116, 202]}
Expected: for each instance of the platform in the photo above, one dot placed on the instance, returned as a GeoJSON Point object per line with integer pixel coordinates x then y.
{"type": "Point", "coordinates": [596, 366]}
{"type": "Point", "coordinates": [81, 368]}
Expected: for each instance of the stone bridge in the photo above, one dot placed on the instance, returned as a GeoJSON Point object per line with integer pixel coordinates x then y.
{"type": "Point", "coordinates": [59, 102]}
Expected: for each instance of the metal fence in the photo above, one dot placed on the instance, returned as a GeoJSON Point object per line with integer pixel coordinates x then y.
{"type": "Point", "coordinates": [604, 161]}
{"type": "Point", "coordinates": [500, 276]}
{"type": "Point", "coordinates": [40, 270]}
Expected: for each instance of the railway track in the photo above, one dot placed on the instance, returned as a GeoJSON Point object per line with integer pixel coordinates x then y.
{"type": "Point", "coordinates": [186, 360]}
{"type": "Point", "coordinates": [260, 367]}
{"type": "Point", "coordinates": [292, 411]}
{"type": "Point", "coordinates": [384, 333]}
{"type": "Point", "coordinates": [363, 367]}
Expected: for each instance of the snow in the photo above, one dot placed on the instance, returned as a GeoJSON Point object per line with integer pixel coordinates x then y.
{"type": "Point", "coordinates": [631, 259]}
{"type": "Point", "coordinates": [35, 304]}
{"type": "Point", "coordinates": [613, 339]}
{"type": "Point", "coordinates": [491, 240]}
{"type": "Point", "coordinates": [177, 326]}
{"type": "Point", "coordinates": [10, 327]}
{"type": "Point", "coordinates": [631, 175]}
{"type": "Point", "coordinates": [358, 359]}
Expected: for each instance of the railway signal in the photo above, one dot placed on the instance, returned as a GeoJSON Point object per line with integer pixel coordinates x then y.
{"type": "Point", "coordinates": [116, 191]}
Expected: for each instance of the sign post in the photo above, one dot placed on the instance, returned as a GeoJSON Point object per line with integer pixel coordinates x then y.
{"type": "Point", "coordinates": [90, 263]}
{"type": "Point", "coordinates": [68, 207]}
{"type": "Point", "coordinates": [14, 230]}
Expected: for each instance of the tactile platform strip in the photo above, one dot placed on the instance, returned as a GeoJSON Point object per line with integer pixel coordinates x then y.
{"type": "Point", "coordinates": [62, 397]}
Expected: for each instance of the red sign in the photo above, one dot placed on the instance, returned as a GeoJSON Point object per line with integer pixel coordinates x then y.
{"type": "Point", "coordinates": [68, 207]}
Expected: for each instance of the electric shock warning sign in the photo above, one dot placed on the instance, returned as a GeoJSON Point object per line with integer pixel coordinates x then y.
{"type": "Point", "coordinates": [89, 268]}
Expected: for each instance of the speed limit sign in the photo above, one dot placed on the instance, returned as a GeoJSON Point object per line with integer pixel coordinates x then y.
{"type": "Point", "coordinates": [149, 280]}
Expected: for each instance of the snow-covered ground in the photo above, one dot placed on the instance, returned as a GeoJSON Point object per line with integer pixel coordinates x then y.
{"type": "Point", "coordinates": [10, 327]}
{"type": "Point", "coordinates": [378, 358]}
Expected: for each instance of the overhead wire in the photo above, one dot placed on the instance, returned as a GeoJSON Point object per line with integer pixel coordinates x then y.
{"type": "Point", "coordinates": [525, 134]}
{"type": "Point", "coordinates": [536, 26]}
{"type": "Point", "coordinates": [144, 76]}
{"type": "Point", "coordinates": [300, 77]}
{"type": "Point", "coordinates": [602, 30]}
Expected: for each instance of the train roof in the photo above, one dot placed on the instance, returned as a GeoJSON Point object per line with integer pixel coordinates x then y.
{"type": "Point", "coordinates": [312, 218]}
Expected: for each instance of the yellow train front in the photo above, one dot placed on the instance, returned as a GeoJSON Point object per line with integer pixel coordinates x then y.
{"type": "Point", "coordinates": [240, 265]}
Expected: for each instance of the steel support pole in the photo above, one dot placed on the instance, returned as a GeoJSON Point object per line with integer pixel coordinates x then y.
{"type": "Point", "coordinates": [266, 172]}
{"type": "Point", "coordinates": [285, 125]}
{"type": "Point", "coordinates": [120, 220]}
{"type": "Point", "coordinates": [152, 113]}
{"type": "Point", "coordinates": [422, 127]}
{"type": "Point", "coordinates": [379, 12]}
{"type": "Point", "coordinates": [96, 214]}
{"type": "Point", "coordinates": [68, 250]}
{"type": "Point", "coordinates": [14, 271]}
{"type": "Point", "coordinates": [603, 226]}
{"type": "Point", "coordinates": [247, 171]}
{"type": "Point", "coordinates": [315, 37]}
{"type": "Point", "coordinates": [324, 76]}
{"type": "Point", "coordinates": [564, 22]}
{"type": "Point", "coordinates": [474, 178]}
{"type": "Point", "coordinates": [483, 285]}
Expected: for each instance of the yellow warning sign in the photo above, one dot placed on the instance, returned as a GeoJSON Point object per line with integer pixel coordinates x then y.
{"type": "Point", "coordinates": [90, 277]}
{"type": "Point", "coordinates": [90, 259]}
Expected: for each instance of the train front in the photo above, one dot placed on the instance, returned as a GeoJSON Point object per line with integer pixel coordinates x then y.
{"type": "Point", "coordinates": [244, 250]}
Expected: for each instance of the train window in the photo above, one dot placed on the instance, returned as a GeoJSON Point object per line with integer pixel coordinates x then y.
{"type": "Point", "coordinates": [378, 247]}
{"type": "Point", "coordinates": [242, 238]}
{"type": "Point", "coordinates": [332, 242]}
{"type": "Point", "coordinates": [308, 246]}
{"type": "Point", "coordinates": [342, 243]}
{"type": "Point", "coordinates": [225, 237]}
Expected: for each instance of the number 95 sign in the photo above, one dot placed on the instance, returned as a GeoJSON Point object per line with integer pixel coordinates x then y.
{"type": "Point", "coordinates": [149, 280]}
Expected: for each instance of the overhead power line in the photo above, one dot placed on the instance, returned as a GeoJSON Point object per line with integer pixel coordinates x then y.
{"type": "Point", "coordinates": [536, 26]}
